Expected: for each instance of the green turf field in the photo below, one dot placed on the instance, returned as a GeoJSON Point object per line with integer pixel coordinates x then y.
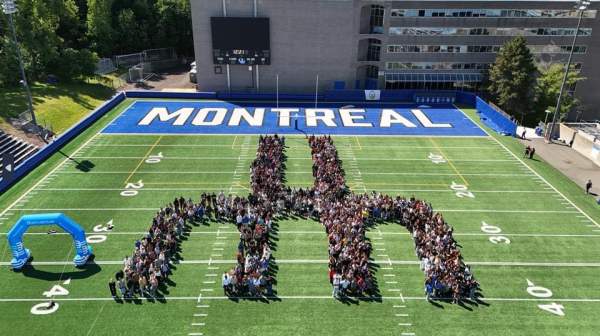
{"type": "Point", "coordinates": [539, 227]}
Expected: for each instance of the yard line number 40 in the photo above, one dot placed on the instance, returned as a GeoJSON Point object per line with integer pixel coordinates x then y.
{"type": "Point", "coordinates": [49, 307]}
{"type": "Point", "coordinates": [545, 293]}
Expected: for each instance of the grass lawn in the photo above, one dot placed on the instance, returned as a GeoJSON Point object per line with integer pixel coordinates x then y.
{"type": "Point", "coordinates": [57, 106]}
{"type": "Point", "coordinates": [544, 231]}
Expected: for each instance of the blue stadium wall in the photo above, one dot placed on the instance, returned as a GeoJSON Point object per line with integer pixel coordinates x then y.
{"type": "Point", "coordinates": [492, 118]}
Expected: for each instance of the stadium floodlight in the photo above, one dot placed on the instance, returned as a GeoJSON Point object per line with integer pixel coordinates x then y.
{"type": "Point", "coordinates": [9, 8]}
{"type": "Point", "coordinates": [581, 6]}
{"type": "Point", "coordinates": [546, 119]}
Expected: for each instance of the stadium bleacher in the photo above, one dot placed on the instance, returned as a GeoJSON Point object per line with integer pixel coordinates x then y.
{"type": "Point", "coordinates": [20, 149]}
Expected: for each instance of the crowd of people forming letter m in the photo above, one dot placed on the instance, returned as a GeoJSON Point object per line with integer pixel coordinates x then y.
{"type": "Point", "coordinates": [345, 216]}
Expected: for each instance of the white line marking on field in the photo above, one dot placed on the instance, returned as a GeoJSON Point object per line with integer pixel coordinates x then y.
{"type": "Point", "coordinates": [401, 315]}
{"type": "Point", "coordinates": [196, 233]}
{"type": "Point", "coordinates": [95, 320]}
{"type": "Point", "coordinates": [537, 174]}
{"type": "Point", "coordinates": [309, 297]}
{"type": "Point", "coordinates": [202, 306]}
{"type": "Point", "coordinates": [437, 210]}
{"type": "Point", "coordinates": [46, 176]}
{"type": "Point", "coordinates": [325, 261]}
{"type": "Point", "coordinates": [191, 158]}
{"type": "Point", "coordinates": [199, 324]}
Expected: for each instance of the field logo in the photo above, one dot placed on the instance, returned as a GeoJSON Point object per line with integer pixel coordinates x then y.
{"type": "Point", "coordinates": [21, 255]}
{"type": "Point", "coordinates": [372, 94]}
{"type": "Point", "coordinates": [218, 117]}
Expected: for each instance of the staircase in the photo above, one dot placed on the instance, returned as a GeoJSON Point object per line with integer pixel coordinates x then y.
{"type": "Point", "coordinates": [20, 149]}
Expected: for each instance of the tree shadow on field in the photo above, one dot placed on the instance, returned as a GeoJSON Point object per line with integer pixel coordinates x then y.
{"type": "Point", "coordinates": [84, 272]}
{"type": "Point", "coordinates": [84, 166]}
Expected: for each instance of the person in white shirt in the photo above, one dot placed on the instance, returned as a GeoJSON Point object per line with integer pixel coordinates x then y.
{"type": "Point", "coordinates": [226, 281]}
{"type": "Point", "coordinates": [337, 278]}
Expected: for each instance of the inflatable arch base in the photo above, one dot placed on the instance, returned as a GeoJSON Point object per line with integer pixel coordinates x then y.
{"type": "Point", "coordinates": [21, 254]}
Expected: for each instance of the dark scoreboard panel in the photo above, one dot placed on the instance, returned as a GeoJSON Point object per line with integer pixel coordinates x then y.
{"type": "Point", "coordinates": [241, 40]}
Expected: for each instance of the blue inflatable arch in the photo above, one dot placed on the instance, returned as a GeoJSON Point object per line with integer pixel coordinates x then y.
{"type": "Point", "coordinates": [21, 255]}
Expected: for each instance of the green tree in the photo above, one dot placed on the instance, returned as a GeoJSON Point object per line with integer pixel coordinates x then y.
{"type": "Point", "coordinates": [132, 35]}
{"type": "Point", "coordinates": [37, 22]}
{"type": "Point", "coordinates": [9, 66]}
{"type": "Point", "coordinates": [74, 64]}
{"type": "Point", "coordinates": [548, 88]}
{"type": "Point", "coordinates": [512, 78]}
{"type": "Point", "coordinates": [175, 26]}
{"type": "Point", "coordinates": [100, 27]}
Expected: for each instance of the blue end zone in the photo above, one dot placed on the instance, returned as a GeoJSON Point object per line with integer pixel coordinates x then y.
{"type": "Point", "coordinates": [247, 117]}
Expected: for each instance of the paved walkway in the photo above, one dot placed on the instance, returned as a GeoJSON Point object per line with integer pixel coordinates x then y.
{"type": "Point", "coordinates": [574, 165]}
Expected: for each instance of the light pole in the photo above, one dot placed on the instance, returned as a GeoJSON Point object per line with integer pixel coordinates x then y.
{"type": "Point", "coordinates": [580, 5]}
{"type": "Point", "coordinates": [9, 8]}
{"type": "Point", "coordinates": [546, 119]}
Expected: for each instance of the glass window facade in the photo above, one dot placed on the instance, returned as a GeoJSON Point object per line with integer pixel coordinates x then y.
{"type": "Point", "coordinates": [536, 49]}
{"type": "Point", "coordinates": [492, 13]}
{"type": "Point", "coordinates": [376, 19]}
{"type": "Point", "coordinates": [435, 66]}
{"type": "Point", "coordinates": [489, 31]}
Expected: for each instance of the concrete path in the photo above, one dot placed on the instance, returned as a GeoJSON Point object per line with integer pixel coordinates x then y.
{"type": "Point", "coordinates": [574, 165]}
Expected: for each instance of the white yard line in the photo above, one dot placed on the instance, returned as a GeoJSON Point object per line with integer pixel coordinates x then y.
{"type": "Point", "coordinates": [437, 210]}
{"type": "Point", "coordinates": [290, 158]}
{"type": "Point", "coordinates": [145, 189]}
{"type": "Point", "coordinates": [48, 174]}
{"type": "Point", "coordinates": [325, 261]}
{"type": "Point", "coordinates": [299, 147]}
{"type": "Point", "coordinates": [308, 173]}
{"type": "Point", "coordinates": [309, 297]}
{"type": "Point", "coordinates": [536, 174]}
{"type": "Point", "coordinates": [197, 233]}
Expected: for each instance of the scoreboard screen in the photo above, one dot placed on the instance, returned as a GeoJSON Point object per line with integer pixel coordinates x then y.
{"type": "Point", "coordinates": [241, 40]}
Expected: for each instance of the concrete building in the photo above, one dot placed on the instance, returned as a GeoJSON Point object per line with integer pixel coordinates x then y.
{"type": "Point", "coordinates": [397, 44]}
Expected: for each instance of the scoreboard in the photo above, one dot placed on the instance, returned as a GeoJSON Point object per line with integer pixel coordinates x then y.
{"type": "Point", "coordinates": [241, 40]}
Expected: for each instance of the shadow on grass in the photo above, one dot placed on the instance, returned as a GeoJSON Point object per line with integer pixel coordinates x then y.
{"type": "Point", "coordinates": [84, 272]}
{"type": "Point", "coordinates": [465, 303]}
{"type": "Point", "coordinates": [13, 99]}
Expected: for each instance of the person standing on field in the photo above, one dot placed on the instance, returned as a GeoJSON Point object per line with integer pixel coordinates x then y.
{"type": "Point", "coordinates": [113, 288]}
{"type": "Point", "coordinates": [588, 186]}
